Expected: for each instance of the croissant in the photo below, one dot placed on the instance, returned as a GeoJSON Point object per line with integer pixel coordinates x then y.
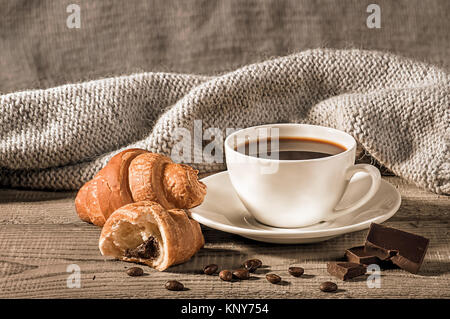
{"type": "Point", "coordinates": [138, 175]}
{"type": "Point", "coordinates": [145, 232]}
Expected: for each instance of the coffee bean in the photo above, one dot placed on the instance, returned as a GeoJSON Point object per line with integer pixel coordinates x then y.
{"type": "Point", "coordinates": [174, 285]}
{"type": "Point", "coordinates": [226, 275]}
{"type": "Point", "coordinates": [328, 286]}
{"type": "Point", "coordinates": [242, 274]}
{"type": "Point", "coordinates": [272, 278]}
{"type": "Point", "coordinates": [252, 264]}
{"type": "Point", "coordinates": [296, 271]}
{"type": "Point", "coordinates": [210, 269]}
{"type": "Point", "coordinates": [135, 271]}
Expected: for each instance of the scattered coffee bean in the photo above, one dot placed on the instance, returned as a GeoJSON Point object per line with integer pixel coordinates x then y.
{"type": "Point", "coordinates": [135, 271]}
{"type": "Point", "coordinates": [241, 273]}
{"type": "Point", "coordinates": [296, 271]}
{"type": "Point", "coordinates": [210, 269]}
{"type": "Point", "coordinates": [174, 285]}
{"type": "Point", "coordinates": [273, 279]}
{"type": "Point", "coordinates": [252, 264]}
{"type": "Point", "coordinates": [328, 286]}
{"type": "Point", "coordinates": [226, 275]}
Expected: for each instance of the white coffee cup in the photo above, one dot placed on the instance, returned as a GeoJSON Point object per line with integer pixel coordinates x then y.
{"type": "Point", "coordinates": [295, 193]}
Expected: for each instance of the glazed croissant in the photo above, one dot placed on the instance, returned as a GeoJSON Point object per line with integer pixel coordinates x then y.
{"type": "Point", "coordinates": [145, 232]}
{"type": "Point", "coordinates": [138, 175]}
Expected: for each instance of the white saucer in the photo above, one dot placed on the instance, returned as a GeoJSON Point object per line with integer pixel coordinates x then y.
{"type": "Point", "coordinates": [223, 210]}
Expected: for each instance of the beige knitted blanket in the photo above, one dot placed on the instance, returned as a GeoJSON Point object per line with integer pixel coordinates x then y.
{"type": "Point", "coordinates": [397, 108]}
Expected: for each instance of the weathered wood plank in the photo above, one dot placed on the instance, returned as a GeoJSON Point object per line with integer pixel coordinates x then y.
{"type": "Point", "coordinates": [40, 235]}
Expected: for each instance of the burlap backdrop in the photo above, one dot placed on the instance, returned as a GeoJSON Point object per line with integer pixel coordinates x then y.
{"type": "Point", "coordinates": [117, 37]}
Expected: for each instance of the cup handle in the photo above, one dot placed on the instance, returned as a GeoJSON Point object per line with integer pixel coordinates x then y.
{"type": "Point", "coordinates": [374, 174]}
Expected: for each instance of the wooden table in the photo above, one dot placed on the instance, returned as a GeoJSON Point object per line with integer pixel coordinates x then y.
{"type": "Point", "coordinates": [41, 235]}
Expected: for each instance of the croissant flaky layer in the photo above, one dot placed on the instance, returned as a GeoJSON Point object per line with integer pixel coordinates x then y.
{"type": "Point", "coordinates": [138, 175]}
{"type": "Point", "coordinates": [145, 232]}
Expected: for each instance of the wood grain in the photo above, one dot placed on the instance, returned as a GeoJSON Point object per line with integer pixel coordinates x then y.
{"type": "Point", "coordinates": [41, 235]}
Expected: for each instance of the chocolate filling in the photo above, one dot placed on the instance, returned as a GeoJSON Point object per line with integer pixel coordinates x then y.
{"type": "Point", "coordinates": [149, 249]}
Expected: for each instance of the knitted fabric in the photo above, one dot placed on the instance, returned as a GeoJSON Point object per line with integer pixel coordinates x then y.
{"type": "Point", "coordinates": [397, 108]}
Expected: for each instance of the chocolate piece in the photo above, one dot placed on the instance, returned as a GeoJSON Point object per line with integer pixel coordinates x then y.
{"type": "Point", "coordinates": [406, 250]}
{"type": "Point", "coordinates": [148, 249]}
{"type": "Point", "coordinates": [379, 252]}
{"type": "Point", "coordinates": [345, 270]}
{"type": "Point", "coordinates": [387, 264]}
{"type": "Point", "coordinates": [358, 255]}
{"type": "Point", "coordinates": [364, 256]}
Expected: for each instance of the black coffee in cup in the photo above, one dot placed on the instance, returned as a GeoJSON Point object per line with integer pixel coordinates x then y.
{"type": "Point", "coordinates": [291, 148]}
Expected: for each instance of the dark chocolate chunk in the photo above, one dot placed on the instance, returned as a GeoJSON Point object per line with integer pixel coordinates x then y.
{"type": "Point", "coordinates": [387, 264]}
{"type": "Point", "coordinates": [345, 270]}
{"type": "Point", "coordinates": [328, 286]}
{"type": "Point", "coordinates": [379, 252]}
{"type": "Point", "coordinates": [149, 249]}
{"type": "Point", "coordinates": [406, 250]}
{"type": "Point", "coordinates": [366, 256]}
{"type": "Point", "coordinates": [358, 255]}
